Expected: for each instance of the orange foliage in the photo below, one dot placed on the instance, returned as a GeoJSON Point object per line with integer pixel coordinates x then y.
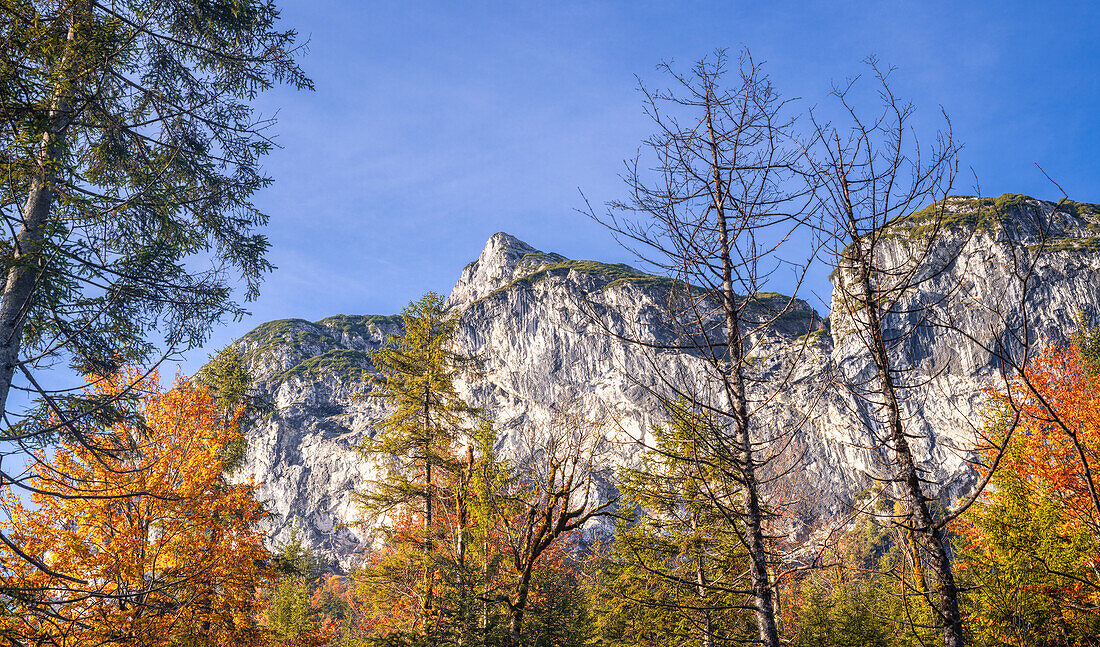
{"type": "Point", "coordinates": [1057, 443]}
{"type": "Point", "coordinates": [391, 584]}
{"type": "Point", "coordinates": [167, 547]}
{"type": "Point", "coordinates": [1032, 543]}
{"type": "Point", "coordinates": [340, 610]}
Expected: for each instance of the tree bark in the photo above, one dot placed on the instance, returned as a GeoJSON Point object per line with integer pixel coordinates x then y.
{"type": "Point", "coordinates": [428, 544]}
{"type": "Point", "coordinates": [763, 607]}
{"type": "Point", "coordinates": [919, 515]}
{"type": "Point", "coordinates": [485, 598]}
{"type": "Point", "coordinates": [19, 285]}
{"type": "Point", "coordinates": [708, 620]}
{"type": "Point", "coordinates": [516, 609]}
{"type": "Point", "coordinates": [461, 542]}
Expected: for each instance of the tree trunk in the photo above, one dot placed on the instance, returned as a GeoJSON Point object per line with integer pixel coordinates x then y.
{"type": "Point", "coordinates": [18, 289]}
{"type": "Point", "coordinates": [460, 548]}
{"type": "Point", "coordinates": [735, 388]}
{"type": "Point", "coordinates": [515, 626]}
{"type": "Point", "coordinates": [517, 607]}
{"type": "Point", "coordinates": [919, 515]}
{"type": "Point", "coordinates": [708, 621]}
{"type": "Point", "coordinates": [515, 623]}
{"type": "Point", "coordinates": [758, 564]}
{"type": "Point", "coordinates": [428, 568]}
{"type": "Point", "coordinates": [485, 599]}
{"type": "Point", "coordinates": [701, 588]}
{"type": "Point", "coordinates": [463, 514]}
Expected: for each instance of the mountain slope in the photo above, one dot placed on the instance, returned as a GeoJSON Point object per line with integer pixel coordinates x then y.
{"type": "Point", "coordinates": [550, 329]}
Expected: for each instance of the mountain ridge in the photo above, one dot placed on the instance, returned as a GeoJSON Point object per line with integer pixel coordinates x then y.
{"type": "Point", "coordinates": [551, 328]}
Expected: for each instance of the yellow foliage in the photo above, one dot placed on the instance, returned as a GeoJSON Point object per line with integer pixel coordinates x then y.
{"type": "Point", "coordinates": [166, 547]}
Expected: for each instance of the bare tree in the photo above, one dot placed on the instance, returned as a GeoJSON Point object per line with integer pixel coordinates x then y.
{"type": "Point", "coordinates": [867, 177]}
{"type": "Point", "coordinates": [894, 236]}
{"type": "Point", "coordinates": [555, 492]}
{"type": "Point", "coordinates": [711, 205]}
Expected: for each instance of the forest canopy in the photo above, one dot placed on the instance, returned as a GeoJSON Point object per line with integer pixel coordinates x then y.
{"type": "Point", "coordinates": [131, 158]}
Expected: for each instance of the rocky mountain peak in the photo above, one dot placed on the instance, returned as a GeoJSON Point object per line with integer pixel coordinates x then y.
{"type": "Point", "coordinates": [504, 259]}
{"type": "Point", "coordinates": [531, 314]}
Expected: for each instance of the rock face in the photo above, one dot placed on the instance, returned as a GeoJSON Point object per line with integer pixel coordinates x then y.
{"type": "Point", "coordinates": [550, 330]}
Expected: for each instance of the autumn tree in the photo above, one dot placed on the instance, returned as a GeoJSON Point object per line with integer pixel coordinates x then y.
{"type": "Point", "coordinates": [712, 198]}
{"type": "Point", "coordinates": [559, 611]}
{"type": "Point", "coordinates": [523, 563]}
{"type": "Point", "coordinates": [130, 149]}
{"type": "Point", "coordinates": [490, 476]}
{"type": "Point", "coordinates": [1032, 542]}
{"type": "Point", "coordinates": [148, 544]}
{"type": "Point", "coordinates": [424, 447]}
{"type": "Point", "coordinates": [385, 597]}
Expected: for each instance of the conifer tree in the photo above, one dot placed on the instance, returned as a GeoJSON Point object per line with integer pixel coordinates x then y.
{"type": "Point", "coordinates": [677, 558]}
{"type": "Point", "coordinates": [424, 477]}
{"type": "Point", "coordinates": [489, 476]}
{"type": "Point", "coordinates": [233, 386]}
{"type": "Point", "coordinates": [289, 611]}
{"type": "Point", "coordinates": [129, 149]}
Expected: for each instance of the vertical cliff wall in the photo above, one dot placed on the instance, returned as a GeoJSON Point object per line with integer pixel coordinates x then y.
{"type": "Point", "coordinates": [550, 330]}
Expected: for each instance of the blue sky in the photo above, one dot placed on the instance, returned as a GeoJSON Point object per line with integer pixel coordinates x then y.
{"type": "Point", "coordinates": [436, 124]}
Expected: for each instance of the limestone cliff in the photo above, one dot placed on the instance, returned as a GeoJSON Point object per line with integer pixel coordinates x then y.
{"type": "Point", "coordinates": [549, 329]}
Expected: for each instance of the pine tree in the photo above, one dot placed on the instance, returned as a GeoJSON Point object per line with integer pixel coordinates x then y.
{"type": "Point", "coordinates": [290, 613]}
{"type": "Point", "coordinates": [233, 386]}
{"type": "Point", "coordinates": [677, 561]}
